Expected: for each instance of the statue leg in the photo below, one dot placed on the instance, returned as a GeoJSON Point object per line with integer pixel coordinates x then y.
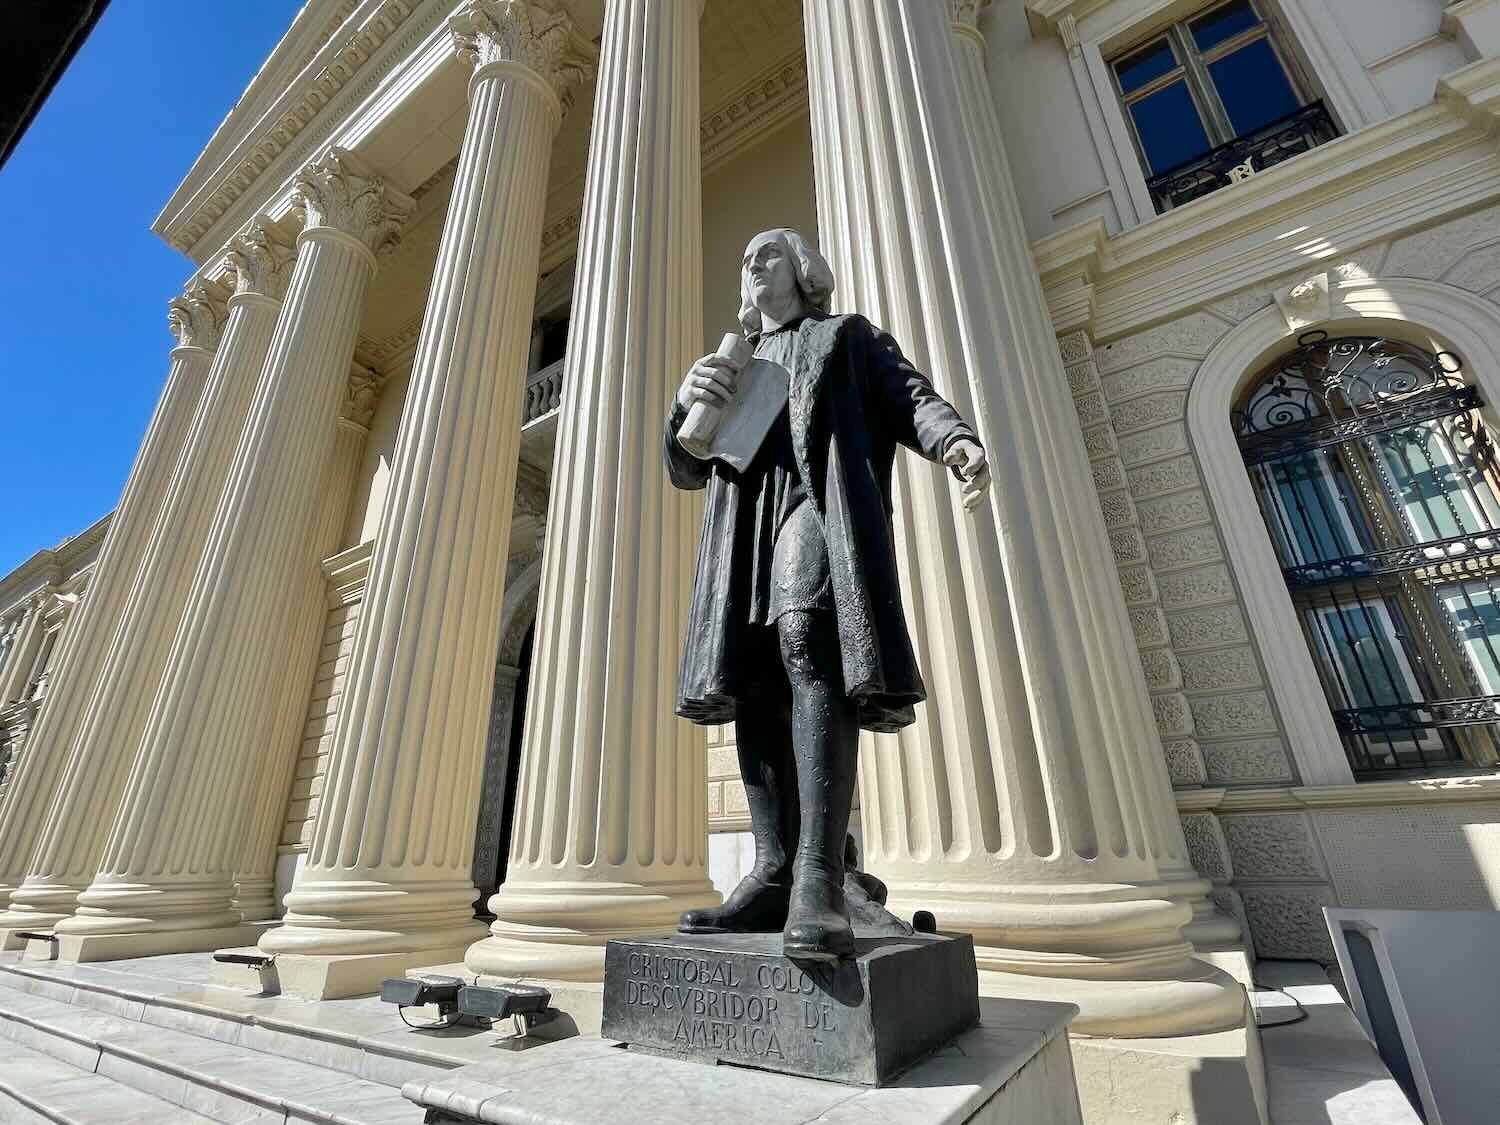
{"type": "Point", "coordinates": [763, 733]}
{"type": "Point", "coordinates": [825, 742]}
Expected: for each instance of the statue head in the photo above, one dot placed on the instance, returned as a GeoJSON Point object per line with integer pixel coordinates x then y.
{"type": "Point", "coordinates": [781, 277]}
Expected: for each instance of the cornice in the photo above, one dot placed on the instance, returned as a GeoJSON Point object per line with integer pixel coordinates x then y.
{"type": "Point", "coordinates": [354, 60]}
{"type": "Point", "coordinates": [347, 572]}
{"type": "Point", "coordinates": [1366, 794]}
{"type": "Point", "coordinates": [54, 566]}
{"type": "Point", "coordinates": [1243, 234]}
{"type": "Point", "coordinates": [1045, 15]}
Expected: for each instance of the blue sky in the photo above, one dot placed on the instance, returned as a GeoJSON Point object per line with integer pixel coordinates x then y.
{"type": "Point", "coordinates": [84, 284]}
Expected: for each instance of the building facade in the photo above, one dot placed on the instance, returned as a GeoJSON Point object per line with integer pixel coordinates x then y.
{"type": "Point", "coordinates": [380, 644]}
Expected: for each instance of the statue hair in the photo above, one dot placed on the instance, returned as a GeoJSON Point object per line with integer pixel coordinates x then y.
{"type": "Point", "coordinates": [814, 279]}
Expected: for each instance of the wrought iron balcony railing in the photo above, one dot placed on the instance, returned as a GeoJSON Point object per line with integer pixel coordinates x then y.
{"type": "Point", "coordinates": [1244, 156]}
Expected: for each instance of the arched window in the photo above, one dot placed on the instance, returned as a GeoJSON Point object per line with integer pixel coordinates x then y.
{"type": "Point", "coordinates": [1377, 482]}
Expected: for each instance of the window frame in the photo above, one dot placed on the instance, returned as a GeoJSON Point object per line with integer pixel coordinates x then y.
{"type": "Point", "coordinates": [1192, 69]}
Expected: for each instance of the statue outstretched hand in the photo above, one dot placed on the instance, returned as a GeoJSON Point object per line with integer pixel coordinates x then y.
{"type": "Point", "coordinates": [967, 460]}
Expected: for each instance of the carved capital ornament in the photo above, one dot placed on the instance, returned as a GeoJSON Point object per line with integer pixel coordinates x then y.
{"type": "Point", "coordinates": [261, 265]}
{"type": "Point", "coordinates": [525, 33]}
{"type": "Point", "coordinates": [363, 396]}
{"type": "Point", "coordinates": [197, 317]}
{"type": "Point", "coordinates": [338, 192]}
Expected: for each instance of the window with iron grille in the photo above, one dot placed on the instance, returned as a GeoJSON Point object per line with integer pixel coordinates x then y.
{"type": "Point", "coordinates": [1377, 482]}
{"type": "Point", "coordinates": [1213, 100]}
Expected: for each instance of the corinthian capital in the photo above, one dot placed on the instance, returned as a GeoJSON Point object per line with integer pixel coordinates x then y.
{"type": "Point", "coordinates": [363, 395]}
{"type": "Point", "coordinates": [337, 191]}
{"type": "Point", "coordinates": [965, 13]}
{"type": "Point", "coordinates": [197, 317]}
{"type": "Point", "coordinates": [261, 265]}
{"type": "Point", "coordinates": [529, 33]}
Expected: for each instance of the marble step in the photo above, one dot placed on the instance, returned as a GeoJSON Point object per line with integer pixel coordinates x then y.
{"type": "Point", "coordinates": [36, 1088]}
{"type": "Point", "coordinates": [362, 1038]}
{"type": "Point", "coordinates": [221, 1081]}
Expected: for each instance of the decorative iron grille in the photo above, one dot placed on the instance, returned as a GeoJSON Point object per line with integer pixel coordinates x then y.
{"type": "Point", "coordinates": [1243, 157]}
{"type": "Point", "coordinates": [1377, 481]}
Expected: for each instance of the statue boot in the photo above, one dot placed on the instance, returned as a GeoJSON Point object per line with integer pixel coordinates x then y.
{"type": "Point", "coordinates": [758, 905]}
{"type": "Point", "coordinates": [825, 745]}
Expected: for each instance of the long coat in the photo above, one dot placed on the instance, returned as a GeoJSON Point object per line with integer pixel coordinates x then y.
{"type": "Point", "coordinates": [853, 398]}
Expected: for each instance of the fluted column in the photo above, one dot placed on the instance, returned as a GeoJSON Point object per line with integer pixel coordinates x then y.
{"type": "Point", "coordinates": [610, 832]}
{"type": "Point", "coordinates": [168, 865]}
{"type": "Point", "coordinates": [1026, 804]}
{"type": "Point", "coordinates": [388, 871]}
{"type": "Point", "coordinates": [22, 643]}
{"type": "Point", "coordinates": [196, 319]}
{"type": "Point", "coordinates": [1207, 928]}
{"type": "Point", "coordinates": [264, 793]}
{"type": "Point", "coordinates": [114, 716]}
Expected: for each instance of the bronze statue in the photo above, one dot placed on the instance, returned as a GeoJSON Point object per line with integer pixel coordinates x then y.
{"type": "Point", "coordinates": [796, 632]}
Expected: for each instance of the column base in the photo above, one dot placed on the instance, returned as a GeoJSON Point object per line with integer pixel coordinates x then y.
{"type": "Point", "coordinates": [117, 907]}
{"type": "Point", "coordinates": [558, 931]}
{"type": "Point", "coordinates": [82, 948]}
{"type": "Point", "coordinates": [255, 901]}
{"type": "Point", "coordinates": [1215, 1079]}
{"type": "Point", "coordinates": [369, 918]}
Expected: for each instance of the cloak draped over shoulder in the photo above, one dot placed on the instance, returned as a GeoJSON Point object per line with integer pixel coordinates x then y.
{"type": "Point", "coordinates": [853, 398]}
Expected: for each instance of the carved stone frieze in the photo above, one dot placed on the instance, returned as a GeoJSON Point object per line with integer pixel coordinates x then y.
{"type": "Point", "coordinates": [1099, 441]}
{"type": "Point", "coordinates": [197, 317]}
{"type": "Point", "coordinates": [1162, 671]}
{"type": "Point", "coordinates": [1174, 716]}
{"type": "Point", "coordinates": [1164, 477]}
{"type": "Point", "coordinates": [1233, 716]}
{"type": "Point", "coordinates": [1273, 847]}
{"type": "Point", "coordinates": [1184, 762]}
{"type": "Point", "coordinates": [1153, 445]}
{"type": "Point", "coordinates": [1149, 625]}
{"type": "Point", "coordinates": [1222, 669]}
{"type": "Point", "coordinates": [1288, 921]}
{"type": "Point", "coordinates": [1186, 589]}
{"type": "Point", "coordinates": [1165, 373]}
{"type": "Point", "coordinates": [1211, 627]}
{"type": "Point", "coordinates": [1207, 847]}
{"type": "Point", "coordinates": [1150, 410]}
{"type": "Point", "coordinates": [1173, 513]}
{"type": "Point", "coordinates": [261, 264]}
{"type": "Point", "coordinates": [1257, 761]}
{"type": "Point", "coordinates": [1189, 336]}
{"type": "Point", "coordinates": [1108, 473]}
{"type": "Point", "coordinates": [1128, 546]}
{"type": "Point", "coordinates": [1138, 584]}
{"type": "Point", "coordinates": [339, 192]}
{"type": "Point", "coordinates": [1091, 409]}
{"type": "Point", "coordinates": [1082, 378]}
{"type": "Point", "coordinates": [1075, 347]}
{"type": "Point", "coordinates": [1118, 509]}
{"type": "Point", "coordinates": [538, 36]}
{"type": "Point", "coordinates": [1180, 549]}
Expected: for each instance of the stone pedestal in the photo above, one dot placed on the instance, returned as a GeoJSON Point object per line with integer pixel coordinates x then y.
{"type": "Point", "coordinates": [1014, 1069]}
{"type": "Point", "coordinates": [166, 876]}
{"type": "Point", "coordinates": [1029, 805]}
{"type": "Point", "coordinates": [196, 318]}
{"type": "Point", "coordinates": [610, 833]}
{"type": "Point", "coordinates": [388, 872]}
{"type": "Point", "coordinates": [109, 729]}
{"type": "Point", "coordinates": [736, 999]}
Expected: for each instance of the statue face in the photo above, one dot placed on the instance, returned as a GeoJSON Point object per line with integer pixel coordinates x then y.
{"type": "Point", "coordinates": [771, 276]}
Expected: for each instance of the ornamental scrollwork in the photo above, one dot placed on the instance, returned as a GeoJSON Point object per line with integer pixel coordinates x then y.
{"type": "Point", "coordinates": [535, 35]}
{"type": "Point", "coordinates": [197, 317]}
{"type": "Point", "coordinates": [260, 263]}
{"type": "Point", "coordinates": [338, 191]}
